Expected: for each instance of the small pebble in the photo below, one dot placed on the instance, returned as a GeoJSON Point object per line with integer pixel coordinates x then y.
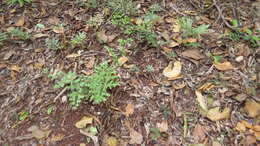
{"type": "Point", "coordinates": [239, 58]}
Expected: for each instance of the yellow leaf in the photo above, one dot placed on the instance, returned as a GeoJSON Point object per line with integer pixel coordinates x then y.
{"type": "Point", "coordinates": [83, 122]}
{"type": "Point", "coordinates": [240, 127]}
{"type": "Point", "coordinates": [15, 68]}
{"type": "Point", "coordinates": [122, 60]}
{"type": "Point", "coordinates": [215, 115]}
{"type": "Point", "coordinates": [206, 86]}
{"type": "Point", "coordinates": [173, 70]}
{"type": "Point", "coordinates": [224, 66]}
{"type": "Point", "coordinates": [176, 27]}
{"type": "Point", "coordinates": [112, 141]}
{"type": "Point", "coordinates": [20, 21]}
{"type": "Point", "coordinates": [173, 44]}
{"type": "Point", "coordinates": [202, 100]}
{"type": "Point", "coordinates": [252, 108]}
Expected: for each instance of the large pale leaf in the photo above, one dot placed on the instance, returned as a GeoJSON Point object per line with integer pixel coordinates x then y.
{"type": "Point", "coordinates": [201, 100]}
{"type": "Point", "coordinates": [215, 114]}
{"type": "Point", "coordinates": [173, 70]}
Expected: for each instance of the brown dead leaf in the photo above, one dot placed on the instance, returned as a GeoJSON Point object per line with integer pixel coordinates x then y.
{"type": "Point", "coordinates": [214, 114]}
{"type": "Point", "coordinates": [163, 127]}
{"type": "Point", "coordinates": [216, 143]}
{"type": "Point", "coordinates": [173, 44]}
{"type": "Point", "coordinates": [173, 70]}
{"type": "Point", "coordinates": [178, 86]}
{"type": "Point", "coordinates": [39, 35]}
{"type": "Point", "coordinates": [84, 121]}
{"type": "Point", "coordinates": [90, 64]}
{"type": "Point", "coordinates": [199, 133]}
{"type": "Point", "coordinates": [176, 27]}
{"type": "Point", "coordinates": [58, 29]}
{"type": "Point", "coordinates": [122, 60]}
{"type": "Point", "coordinates": [136, 138]}
{"type": "Point", "coordinates": [73, 55]}
{"type": "Point", "coordinates": [201, 100]}
{"type": "Point", "coordinates": [15, 68]}
{"type": "Point", "coordinates": [129, 109]}
{"type": "Point", "coordinates": [206, 87]}
{"type": "Point", "coordinates": [20, 21]}
{"type": "Point", "coordinates": [249, 140]}
{"type": "Point", "coordinates": [193, 53]}
{"type": "Point", "coordinates": [189, 40]}
{"type": "Point", "coordinates": [240, 127]}
{"type": "Point", "coordinates": [224, 66]}
{"type": "Point", "coordinates": [102, 37]}
{"type": "Point", "coordinates": [252, 108]}
{"type": "Point", "coordinates": [57, 137]}
{"type": "Point", "coordinates": [38, 133]}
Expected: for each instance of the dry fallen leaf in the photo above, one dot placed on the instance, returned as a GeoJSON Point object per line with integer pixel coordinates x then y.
{"type": "Point", "coordinates": [214, 114]}
{"type": "Point", "coordinates": [176, 27]}
{"type": "Point", "coordinates": [202, 100]}
{"type": "Point", "coordinates": [216, 143]}
{"type": "Point", "coordinates": [199, 133]}
{"type": "Point", "coordinates": [173, 44]}
{"type": "Point", "coordinates": [90, 64]}
{"type": "Point", "coordinates": [15, 68]}
{"type": "Point", "coordinates": [252, 108]}
{"type": "Point", "coordinates": [193, 53]}
{"type": "Point", "coordinates": [102, 37]}
{"type": "Point", "coordinates": [173, 70]}
{"type": "Point", "coordinates": [57, 137]}
{"type": "Point", "coordinates": [122, 60]}
{"type": "Point", "coordinates": [83, 122]}
{"type": "Point", "coordinates": [129, 110]}
{"type": "Point", "coordinates": [224, 66]}
{"type": "Point", "coordinates": [38, 133]}
{"type": "Point", "coordinates": [111, 141]}
{"type": "Point", "coordinates": [136, 138]}
{"type": "Point", "coordinates": [73, 55]}
{"type": "Point", "coordinates": [59, 29]}
{"type": "Point", "coordinates": [93, 137]}
{"type": "Point", "coordinates": [206, 87]}
{"type": "Point", "coordinates": [240, 127]}
{"type": "Point", "coordinates": [163, 127]}
{"type": "Point", "coordinates": [20, 21]}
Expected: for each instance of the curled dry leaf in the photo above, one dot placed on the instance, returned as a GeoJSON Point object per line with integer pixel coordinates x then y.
{"type": "Point", "coordinates": [129, 110]}
{"type": "Point", "coordinates": [84, 121]}
{"type": "Point", "coordinates": [224, 66]}
{"type": "Point", "coordinates": [20, 21]}
{"type": "Point", "coordinates": [173, 70]}
{"type": "Point", "coordinates": [214, 114]}
{"type": "Point", "coordinates": [193, 53]}
{"type": "Point", "coordinates": [199, 133]}
{"type": "Point", "coordinates": [15, 68]}
{"type": "Point", "coordinates": [201, 100]}
{"type": "Point", "coordinates": [252, 108]}
{"type": "Point", "coordinates": [73, 55]}
{"type": "Point", "coordinates": [163, 127]}
{"type": "Point", "coordinates": [136, 137]}
{"type": "Point", "coordinates": [122, 60]}
{"type": "Point", "coordinates": [206, 87]}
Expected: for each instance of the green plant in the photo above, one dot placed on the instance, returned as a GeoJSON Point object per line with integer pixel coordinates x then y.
{"type": "Point", "coordinates": [121, 20]}
{"type": "Point", "coordinates": [155, 133]}
{"type": "Point", "coordinates": [19, 34]}
{"type": "Point", "coordinates": [96, 21]}
{"type": "Point", "coordinates": [78, 39]}
{"type": "Point", "coordinates": [89, 3]}
{"type": "Point", "coordinates": [104, 78]}
{"type": "Point", "coordinates": [23, 115]}
{"type": "Point", "coordinates": [149, 68]}
{"type": "Point", "coordinates": [239, 34]}
{"type": "Point", "coordinates": [3, 37]}
{"type": "Point", "coordinates": [93, 87]}
{"type": "Point", "coordinates": [155, 8]}
{"type": "Point", "coordinates": [49, 110]}
{"type": "Point", "coordinates": [123, 43]}
{"type": "Point", "coordinates": [190, 31]}
{"type": "Point", "coordinates": [127, 7]}
{"type": "Point", "coordinates": [20, 2]}
{"type": "Point", "coordinates": [112, 53]}
{"type": "Point", "coordinates": [53, 44]}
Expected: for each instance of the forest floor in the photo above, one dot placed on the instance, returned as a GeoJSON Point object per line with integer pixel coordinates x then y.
{"type": "Point", "coordinates": [189, 72]}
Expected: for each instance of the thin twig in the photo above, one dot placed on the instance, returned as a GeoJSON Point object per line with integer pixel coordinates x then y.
{"type": "Point", "coordinates": [59, 95]}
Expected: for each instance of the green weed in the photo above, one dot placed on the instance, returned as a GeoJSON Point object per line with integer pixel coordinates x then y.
{"type": "Point", "coordinates": [155, 133]}
{"type": "Point", "coordinates": [89, 3]}
{"type": "Point", "coordinates": [23, 115]}
{"type": "Point", "coordinates": [93, 87]}
{"type": "Point", "coordinates": [149, 68]}
{"type": "Point", "coordinates": [123, 44]}
{"type": "Point", "coordinates": [190, 31]}
{"type": "Point", "coordinates": [96, 20]}
{"type": "Point", "coordinates": [78, 39]}
{"type": "Point", "coordinates": [126, 7]}
{"type": "Point", "coordinates": [3, 37]}
{"type": "Point", "coordinates": [20, 2]}
{"type": "Point", "coordinates": [53, 44]}
{"type": "Point", "coordinates": [19, 34]}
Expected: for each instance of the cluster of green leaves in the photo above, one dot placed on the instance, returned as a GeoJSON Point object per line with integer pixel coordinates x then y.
{"type": "Point", "coordinates": [19, 34]}
{"type": "Point", "coordinates": [53, 44]}
{"type": "Point", "coordinates": [190, 31]}
{"type": "Point", "coordinates": [126, 7]}
{"type": "Point", "coordinates": [96, 20]}
{"type": "Point", "coordinates": [20, 2]}
{"type": "Point", "coordinates": [123, 43]}
{"type": "Point", "coordinates": [3, 37]}
{"type": "Point", "coordinates": [78, 39]}
{"type": "Point", "coordinates": [95, 87]}
{"type": "Point", "coordinates": [247, 35]}
{"type": "Point", "coordinates": [89, 3]}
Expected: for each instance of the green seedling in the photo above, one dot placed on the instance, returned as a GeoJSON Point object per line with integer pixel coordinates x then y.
{"type": "Point", "coordinates": [50, 110]}
{"type": "Point", "coordinates": [78, 39]}
{"type": "Point", "coordinates": [19, 34]}
{"type": "Point", "coordinates": [20, 2]}
{"type": "Point", "coordinates": [23, 115]}
{"type": "Point", "coordinates": [149, 68]}
{"type": "Point", "coordinates": [127, 7]}
{"type": "Point", "coordinates": [3, 37]}
{"type": "Point", "coordinates": [189, 31]}
{"type": "Point", "coordinates": [123, 44]}
{"type": "Point", "coordinates": [155, 133]}
{"type": "Point", "coordinates": [53, 44]}
{"type": "Point", "coordinates": [96, 20]}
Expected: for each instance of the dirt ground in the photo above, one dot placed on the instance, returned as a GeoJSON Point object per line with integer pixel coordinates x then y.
{"type": "Point", "coordinates": [147, 108]}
